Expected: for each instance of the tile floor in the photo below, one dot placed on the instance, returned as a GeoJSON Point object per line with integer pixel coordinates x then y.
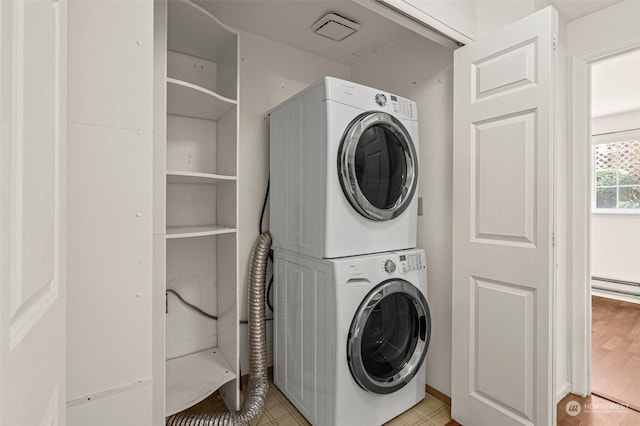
{"type": "Point", "coordinates": [280, 412]}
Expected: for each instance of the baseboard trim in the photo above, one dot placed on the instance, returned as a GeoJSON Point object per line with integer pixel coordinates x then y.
{"type": "Point", "coordinates": [438, 395]}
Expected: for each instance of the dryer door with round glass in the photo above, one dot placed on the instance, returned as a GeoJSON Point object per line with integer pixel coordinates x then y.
{"type": "Point", "coordinates": [389, 337]}
{"type": "Point", "coordinates": [378, 165]}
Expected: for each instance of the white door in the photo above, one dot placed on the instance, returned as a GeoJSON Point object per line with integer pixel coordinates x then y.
{"type": "Point", "coordinates": [32, 212]}
{"type": "Point", "coordinates": [502, 225]}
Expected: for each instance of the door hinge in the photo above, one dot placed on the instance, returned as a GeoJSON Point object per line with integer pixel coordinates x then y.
{"type": "Point", "coordinates": [555, 41]}
{"type": "Point", "coordinates": [553, 239]}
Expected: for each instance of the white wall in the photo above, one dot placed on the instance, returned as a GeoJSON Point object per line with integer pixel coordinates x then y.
{"type": "Point", "coordinates": [109, 212]}
{"type": "Point", "coordinates": [270, 73]}
{"type": "Point", "coordinates": [423, 71]}
{"type": "Point", "coordinates": [615, 91]}
{"type": "Point", "coordinates": [491, 15]}
{"type": "Point", "coordinates": [619, 122]}
{"type": "Point", "coordinates": [615, 238]}
{"type": "Point", "coordinates": [615, 246]}
{"type": "Point", "coordinates": [608, 26]}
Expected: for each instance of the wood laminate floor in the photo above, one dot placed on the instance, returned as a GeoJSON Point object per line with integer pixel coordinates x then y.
{"type": "Point", "coordinates": [615, 351]}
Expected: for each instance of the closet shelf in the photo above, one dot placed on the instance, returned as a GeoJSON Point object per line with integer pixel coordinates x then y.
{"type": "Point", "coordinates": [195, 31]}
{"type": "Point", "coordinates": [174, 176]}
{"type": "Point", "coordinates": [192, 378]}
{"type": "Point", "coordinates": [190, 100]}
{"type": "Point", "coordinates": [197, 231]}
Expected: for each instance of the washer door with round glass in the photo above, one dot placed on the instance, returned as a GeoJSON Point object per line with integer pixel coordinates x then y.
{"type": "Point", "coordinates": [389, 337]}
{"type": "Point", "coordinates": [378, 166]}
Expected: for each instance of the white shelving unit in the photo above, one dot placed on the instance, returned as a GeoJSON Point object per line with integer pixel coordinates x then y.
{"type": "Point", "coordinates": [197, 135]}
{"type": "Point", "coordinates": [175, 176]}
{"type": "Point", "coordinates": [189, 100]}
{"type": "Point", "coordinates": [190, 378]}
{"type": "Point", "coordinates": [197, 231]}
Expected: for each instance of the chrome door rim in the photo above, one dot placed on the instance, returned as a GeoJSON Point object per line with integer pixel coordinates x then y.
{"type": "Point", "coordinates": [354, 341]}
{"type": "Point", "coordinates": [347, 171]}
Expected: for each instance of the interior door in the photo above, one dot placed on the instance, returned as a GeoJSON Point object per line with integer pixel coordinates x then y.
{"type": "Point", "coordinates": [502, 225]}
{"type": "Point", "coordinates": [32, 212]}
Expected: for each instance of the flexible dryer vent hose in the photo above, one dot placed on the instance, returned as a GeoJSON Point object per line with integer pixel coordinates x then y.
{"type": "Point", "coordinates": [253, 404]}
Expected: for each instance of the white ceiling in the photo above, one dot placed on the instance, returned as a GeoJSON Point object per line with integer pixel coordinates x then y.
{"type": "Point", "coordinates": [289, 22]}
{"type": "Point", "coordinates": [615, 85]}
{"type": "Point", "coordinates": [573, 9]}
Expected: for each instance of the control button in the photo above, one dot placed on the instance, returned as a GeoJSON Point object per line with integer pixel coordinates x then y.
{"type": "Point", "coordinates": [389, 266]}
{"type": "Point", "coordinates": [381, 99]}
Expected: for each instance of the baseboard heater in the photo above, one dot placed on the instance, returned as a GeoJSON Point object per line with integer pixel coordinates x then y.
{"type": "Point", "coordinates": [613, 281]}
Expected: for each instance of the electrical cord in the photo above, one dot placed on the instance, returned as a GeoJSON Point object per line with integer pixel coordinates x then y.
{"type": "Point", "coordinates": [192, 306]}
{"type": "Point", "coordinates": [200, 311]}
{"type": "Point", "coordinates": [269, 287]}
{"type": "Point", "coordinates": [264, 206]}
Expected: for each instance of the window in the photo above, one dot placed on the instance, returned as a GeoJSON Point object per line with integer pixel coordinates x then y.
{"type": "Point", "coordinates": [617, 175]}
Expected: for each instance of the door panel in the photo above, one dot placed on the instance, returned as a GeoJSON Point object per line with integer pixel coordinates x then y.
{"type": "Point", "coordinates": [502, 253]}
{"type": "Point", "coordinates": [503, 347]}
{"type": "Point", "coordinates": [503, 156]}
{"type": "Point", "coordinates": [32, 291]}
{"type": "Point", "coordinates": [505, 71]}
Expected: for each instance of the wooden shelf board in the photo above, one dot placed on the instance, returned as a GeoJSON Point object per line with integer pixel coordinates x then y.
{"type": "Point", "coordinates": [197, 231]}
{"type": "Point", "coordinates": [174, 176]}
{"type": "Point", "coordinates": [192, 378]}
{"type": "Point", "coordinates": [190, 100]}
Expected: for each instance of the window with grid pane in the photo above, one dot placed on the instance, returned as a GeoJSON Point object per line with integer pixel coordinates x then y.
{"type": "Point", "coordinates": [617, 175]}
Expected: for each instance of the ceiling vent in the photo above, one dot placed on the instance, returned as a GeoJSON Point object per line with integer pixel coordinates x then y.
{"type": "Point", "coordinates": [335, 27]}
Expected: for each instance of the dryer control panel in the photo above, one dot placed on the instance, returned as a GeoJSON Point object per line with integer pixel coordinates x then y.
{"type": "Point", "coordinates": [369, 99]}
{"type": "Point", "coordinates": [401, 106]}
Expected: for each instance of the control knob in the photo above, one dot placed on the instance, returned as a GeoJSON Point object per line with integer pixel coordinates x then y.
{"type": "Point", "coordinates": [389, 266]}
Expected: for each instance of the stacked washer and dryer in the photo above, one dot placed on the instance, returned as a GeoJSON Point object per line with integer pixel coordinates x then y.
{"type": "Point", "coordinates": [352, 323]}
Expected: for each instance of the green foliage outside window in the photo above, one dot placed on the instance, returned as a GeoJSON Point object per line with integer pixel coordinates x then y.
{"type": "Point", "coordinates": [617, 174]}
{"type": "Point", "coordinates": [607, 195]}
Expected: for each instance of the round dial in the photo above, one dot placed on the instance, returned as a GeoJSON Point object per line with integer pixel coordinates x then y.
{"type": "Point", "coordinates": [389, 266]}
{"type": "Point", "coordinates": [381, 99]}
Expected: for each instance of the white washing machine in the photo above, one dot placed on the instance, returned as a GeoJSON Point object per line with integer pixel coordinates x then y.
{"type": "Point", "coordinates": [344, 171]}
{"type": "Point", "coordinates": [351, 335]}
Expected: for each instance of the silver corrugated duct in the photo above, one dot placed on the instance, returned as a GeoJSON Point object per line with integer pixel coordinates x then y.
{"type": "Point", "coordinates": [253, 404]}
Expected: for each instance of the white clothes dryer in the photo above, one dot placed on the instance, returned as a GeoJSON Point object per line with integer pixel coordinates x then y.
{"type": "Point", "coordinates": [344, 171]}
{"type": "Point", "coordinates": [351, 335]}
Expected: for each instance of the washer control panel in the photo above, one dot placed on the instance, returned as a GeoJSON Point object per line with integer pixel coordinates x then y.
{"type": "Point", "coordinates": [403, 263]}
{"type": "Point", "coordinates": [389, 266]}
{"type": "Point", "coordinates": [411, 262]}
